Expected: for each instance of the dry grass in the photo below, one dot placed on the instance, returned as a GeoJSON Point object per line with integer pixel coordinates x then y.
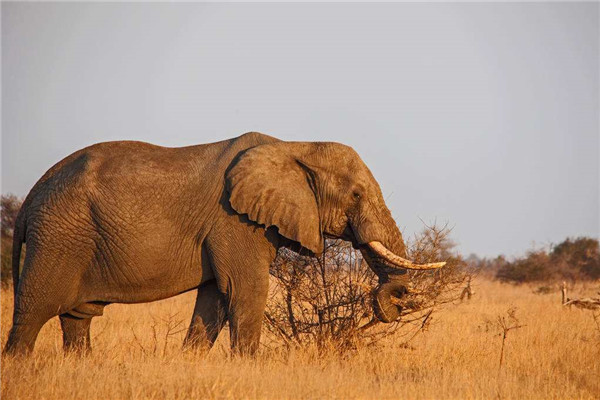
{"type": "Point", "coordinates": [137, 355]}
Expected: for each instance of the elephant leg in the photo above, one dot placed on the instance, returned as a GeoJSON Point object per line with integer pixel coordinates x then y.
{"type": "Point", "coordinates": [240, 255]}
{"type": "Point", "coordinates": [210, 315]}
{"type": "Point", "coordinates": [32, 310]}
{"type": "Point", "coordinates": [41, 295]}
{"type": "Point", "coordinates": [30, 314]}
{"type": "Point", "coordinates": [76, 334]}
{"type": "Point", "coordinates": [246, 314]}
{"type": "Point", "coordinates": [22, 336]}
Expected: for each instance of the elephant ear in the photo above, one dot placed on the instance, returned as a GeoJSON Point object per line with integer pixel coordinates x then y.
{"type": "Point", "coordinates": [275, 189]}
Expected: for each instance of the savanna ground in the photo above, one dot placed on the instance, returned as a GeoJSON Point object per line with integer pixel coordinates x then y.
{"type": "Point", "coordinates": [137, 354]}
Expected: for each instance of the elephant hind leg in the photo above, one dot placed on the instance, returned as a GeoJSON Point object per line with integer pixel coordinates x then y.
{"type": "Point", "coordinates": [76, 334]}
{"type": "Point", "coordinates": [210, 315]}
{"type": "Point", "coordinates": [31, 312]}
{"type": "Point", "coordinates": [48, 286]}
{"type": "Point", "coordinates": [22, 337]}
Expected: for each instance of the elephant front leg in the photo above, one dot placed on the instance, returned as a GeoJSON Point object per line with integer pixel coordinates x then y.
{"type": "Point", "coordinates": [246, 314]}
{"type": "Point", "coordinates": [76, 325]}
{"type": "Point", "coordinates": [240, 255]}
{"type": "Point", "coordinates": [210, 315]}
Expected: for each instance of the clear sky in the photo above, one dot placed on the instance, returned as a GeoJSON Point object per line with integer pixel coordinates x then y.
{"type": "Point", "coordinates": [482, 115]}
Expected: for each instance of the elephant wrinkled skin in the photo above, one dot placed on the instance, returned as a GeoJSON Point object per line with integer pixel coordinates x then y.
{"type": "Point", "coordinates": [130, 222]}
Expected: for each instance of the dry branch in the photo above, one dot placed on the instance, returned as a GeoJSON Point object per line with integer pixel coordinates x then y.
{"type": "Point", "coordinates": [586, 303]}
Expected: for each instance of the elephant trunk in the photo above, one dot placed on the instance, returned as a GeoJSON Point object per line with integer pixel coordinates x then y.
{"type": "Point", "coordinates": [382, 247]}
{"type": "Point", "coordinates": [384, 309]}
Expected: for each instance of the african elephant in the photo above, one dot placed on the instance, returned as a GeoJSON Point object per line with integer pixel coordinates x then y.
{"type": "Point", "coordinates": [131, 222]}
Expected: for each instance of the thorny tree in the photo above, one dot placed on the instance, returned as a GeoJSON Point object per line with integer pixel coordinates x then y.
{"type": "Point", "coordinates": [328, 300]}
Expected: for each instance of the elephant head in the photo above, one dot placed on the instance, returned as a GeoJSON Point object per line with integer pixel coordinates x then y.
{"type": "Point", "coordinates": [310, 191]}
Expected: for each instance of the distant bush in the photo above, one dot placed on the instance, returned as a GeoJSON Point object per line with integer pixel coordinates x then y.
{"type": "Point", "coordinates": [9, 208]}
{"type": "Point", "coordinates": [573, 259]}
{"type": "Point", "coordinates": [533, 267]}
{"type": "Point", "coordinates": [581, 255]}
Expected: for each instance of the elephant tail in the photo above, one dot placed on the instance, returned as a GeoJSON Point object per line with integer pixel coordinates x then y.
{"type": "Point", "coordinates": [18, 240]}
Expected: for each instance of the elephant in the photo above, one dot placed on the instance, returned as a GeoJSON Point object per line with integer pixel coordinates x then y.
{"type": "Point", "coordinates": [132, 222]}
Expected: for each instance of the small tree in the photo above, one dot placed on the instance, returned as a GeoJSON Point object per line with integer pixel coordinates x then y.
{"type": "Point", "coordinates": [582, 255]}
{"type": "Point", "coordinates": [328, 300]}
{"type": "Point", "coordinates": [9, 208]}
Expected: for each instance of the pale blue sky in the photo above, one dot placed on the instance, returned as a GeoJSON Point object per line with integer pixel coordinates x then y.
{"type": "Point", "coordinates": [483, 115]}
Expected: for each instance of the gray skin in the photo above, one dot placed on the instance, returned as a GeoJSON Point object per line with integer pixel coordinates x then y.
{"type": "Point", "coordinates": [131, 222]}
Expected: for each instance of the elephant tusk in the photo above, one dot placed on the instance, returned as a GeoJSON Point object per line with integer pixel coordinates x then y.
{"type": "Point", "coordinates": [398, 261]}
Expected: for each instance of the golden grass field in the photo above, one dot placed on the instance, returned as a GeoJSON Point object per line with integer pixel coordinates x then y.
{"type": "Point", "coordinates": [556, 355]}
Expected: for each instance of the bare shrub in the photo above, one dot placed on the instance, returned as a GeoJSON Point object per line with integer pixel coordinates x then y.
{"type": "Point", "coordinates": [506, 324]}
{"type": "Point", "coordinates": [327, 301]}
